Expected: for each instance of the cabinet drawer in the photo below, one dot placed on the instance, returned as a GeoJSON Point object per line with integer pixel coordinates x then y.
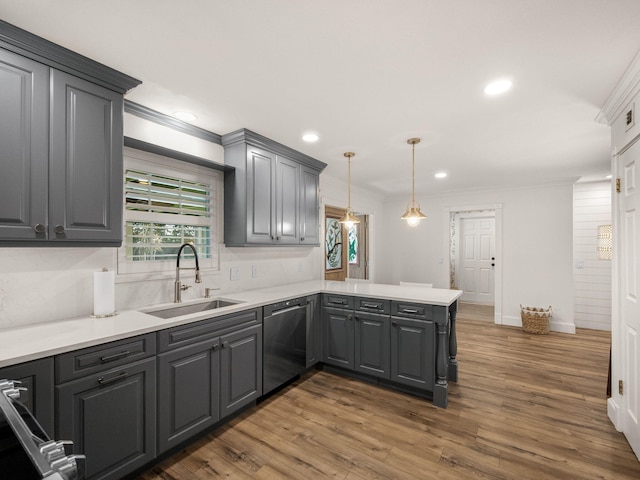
{"type": "Point", "coordinates": [206, 329]}
{"type": "Point", "coordinates": [372, 305]}
{"type": "Point", "coordinates": [411, 310]}
{"type": "Point", "coordinates": [96, 359]}
{"type": "Point", "coordinates": [337, 301]}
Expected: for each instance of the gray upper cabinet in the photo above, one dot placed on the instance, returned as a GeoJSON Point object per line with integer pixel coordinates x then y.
{"type": "Point", "coordinates": [61, 135]}
{"type": "Point", "coordinates": [271, 196]}
{"type": "Point", "coordinates": [85, 176]}
{"type": "Point", "coordinates": [24, 133]}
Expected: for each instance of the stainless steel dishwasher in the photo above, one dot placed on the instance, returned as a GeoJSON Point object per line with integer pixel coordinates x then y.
{"type": "Point", "coordinates": [284, 342]}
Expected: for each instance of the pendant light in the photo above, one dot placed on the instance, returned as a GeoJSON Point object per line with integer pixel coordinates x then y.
{"type": "Point", "coordinates": [413, 215]}
{"type": "Point", "coordinates": [349, 219]}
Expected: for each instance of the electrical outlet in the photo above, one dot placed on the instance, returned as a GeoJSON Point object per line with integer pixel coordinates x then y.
{"type": "Point", "coordinates": [235, 274]}
{"type": "Point", "coordinates": [254, 271]}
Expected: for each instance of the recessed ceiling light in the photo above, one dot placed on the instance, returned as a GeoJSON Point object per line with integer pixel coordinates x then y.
{"type": "Point", "coordinates": [310, 137]}
{"type": "Point", "coordinates": [498, 86]}
{"type": "Point", "coordinates": [441, 175]}
{"type": "Point", "coordinates": [185, 116]}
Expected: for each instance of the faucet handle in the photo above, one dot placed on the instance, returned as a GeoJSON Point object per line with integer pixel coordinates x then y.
{"type": "Point", "coordinates": [184, 287]}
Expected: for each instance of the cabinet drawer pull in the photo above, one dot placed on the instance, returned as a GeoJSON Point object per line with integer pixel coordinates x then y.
{"type": "Point", "coordinates": [225, 344]}
{"type": "Point", "coordinates": [59, 229]}
{"type": "Point", "coordinates": [39, 228]}
{"type": "Point", "coordinates": [302, 239]}
{"type": "Point", "coordinates": [215, 347]}
{"type": "Point", "coordinates": [117, 356]}
{"type": "Point", "coordinates": [371, 305]}
{"type": "Point", "coordinates": [410, 310]}
{"type": "Point", "coordinates": [105, 381]}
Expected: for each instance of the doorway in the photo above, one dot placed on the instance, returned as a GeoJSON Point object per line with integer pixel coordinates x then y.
{"type": "Point", "coordinates": [335, 241]}
{"type": "Point", "coordinates": [474, 244]}
{"type": "Point", "coordinates": [477, 259]}
{"type": "Point", "coordinates": [358, 251]}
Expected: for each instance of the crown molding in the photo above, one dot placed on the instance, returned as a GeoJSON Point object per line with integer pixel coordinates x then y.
{"type": "Point", "coordinates": [171, 122]}
{"type": "Point", "coordinates": [627, 88]}
{"type": "Point", "coordinates": [247, 136]}
{"type": "Point", "coordinates": [36, 48]}
{"type": "Point", "coordinates": [168, 152]}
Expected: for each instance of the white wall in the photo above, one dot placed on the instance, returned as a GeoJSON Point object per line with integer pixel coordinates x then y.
{"type": "Point", "coordinates": [537, 244]}
{"type": "Point", "coordinates": [591, 207]}
{"type": "Point", "coordinates": [47, 284]}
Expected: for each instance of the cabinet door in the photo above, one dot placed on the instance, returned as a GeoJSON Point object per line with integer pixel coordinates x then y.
{"type": "Point", "coordinates": [338, 337]}
{"type": "Point", "coordinates": [372, 344]}
{"type": "Point", "coordinates": [413, 352]}
{"type": "Point", "coordinates": [24, 149]}
{"type": "Point", "coordinates": [314, 331]}
{"type": "Point", "coordinates": [37, 378]}
{"type": "Point", "coordinates": [111, 418]}
{"type": "Point", "coordinates": [85, 176]}
{"type": "Point", "coordinates": [260, 196]}
{"type": "Point", "coordinates": [240, 369]}
{"type": "Point", "coordinates": [287, 201]}
{"type": "Point", "coordinates": [188, 392]}
{"type": "Point", "coordinates": [309, 207]}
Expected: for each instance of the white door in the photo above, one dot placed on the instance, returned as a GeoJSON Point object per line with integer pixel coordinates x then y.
{"type": "Point", "coordinates": [477, 259]}
{"type": "Point", "coordinates": [629, 269]}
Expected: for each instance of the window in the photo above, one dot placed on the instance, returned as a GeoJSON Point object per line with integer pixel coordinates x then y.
{"type": "Point", "coordinates": [167, 203]}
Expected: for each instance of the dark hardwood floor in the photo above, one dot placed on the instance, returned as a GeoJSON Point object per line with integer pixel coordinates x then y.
{"type": "Point", "coordinates": [525, 407]}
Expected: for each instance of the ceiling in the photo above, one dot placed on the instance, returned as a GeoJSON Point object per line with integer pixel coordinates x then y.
{"type": "Point", "coordinates": [366, 75]}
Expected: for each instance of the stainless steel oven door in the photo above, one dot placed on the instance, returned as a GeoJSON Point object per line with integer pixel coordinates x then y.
{"type": "Point", "coordinates": [26, 452]}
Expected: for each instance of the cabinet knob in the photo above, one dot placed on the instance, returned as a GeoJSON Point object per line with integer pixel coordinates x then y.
{"type": "Point", "coordinates": [302, 239]}
{"type": "Point", "coordinates": [356, 318]}
{"type": "Point", "coordinates": [225, 344]}
{"type": "Point", "coordinates": [59, 229]}
{"type": "Point", "coordinates": [394, 324]}
{"type": "Point", "coordinates": [214, 347]}
{"type": "Point", "coordinates": [39, 228]}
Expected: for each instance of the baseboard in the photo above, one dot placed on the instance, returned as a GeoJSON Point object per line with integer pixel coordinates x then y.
{"type": "Point", "coordinates": [553, 326]}
{"type": "Point", "coordinates": [613, 411]}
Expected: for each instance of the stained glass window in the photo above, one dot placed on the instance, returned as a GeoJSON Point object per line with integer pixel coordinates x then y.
{"type": "Point", "coordinates": [353, 245]}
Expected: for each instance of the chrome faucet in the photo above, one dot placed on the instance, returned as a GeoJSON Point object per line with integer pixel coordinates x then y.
{"type": "Point", "coordinates": [178, 287]}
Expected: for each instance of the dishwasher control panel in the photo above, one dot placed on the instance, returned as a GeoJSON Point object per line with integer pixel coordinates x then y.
{"type": "Point", "coordinates": [274, 308]}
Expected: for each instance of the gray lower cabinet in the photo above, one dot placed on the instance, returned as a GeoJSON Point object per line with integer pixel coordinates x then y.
{"type": "Point", "coordinates": [61, 138]}
{"type": "Point", "coordinates": [37, 378]}
{"type": "Point", "coordinates": [240, 369]}
{"type": "Point", "coordinates": [372, 344]}
{"type": "Point", "coordinates": [188, 392]}
{"type": "Point", "coordinates": [314, 331]}
{"type": "Point", "coordinates": [206, 371]}
{"type": "Point", "coordinates": [338, 334]}
{"type": "Point", "coordinates": [413, 352]}
{"type": "Point", "coordinates": [108, 405]}
{"type": "Point", "coordinates": [271, 195]}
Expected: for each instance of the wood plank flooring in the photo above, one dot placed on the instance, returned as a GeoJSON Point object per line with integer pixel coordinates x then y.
{"type": "Point", "coordinates": [525, 407]}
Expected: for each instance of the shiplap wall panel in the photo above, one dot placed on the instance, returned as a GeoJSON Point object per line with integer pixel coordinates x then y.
{"type": "Point", "coordinates": [592, 283]}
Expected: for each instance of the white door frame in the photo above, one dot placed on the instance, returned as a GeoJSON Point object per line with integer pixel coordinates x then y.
{"type": "Point", "coordinates": [477, 210]}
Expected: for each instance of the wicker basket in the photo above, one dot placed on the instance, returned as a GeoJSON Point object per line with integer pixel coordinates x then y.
{"type": "Point", "coordinates": [535, 320]}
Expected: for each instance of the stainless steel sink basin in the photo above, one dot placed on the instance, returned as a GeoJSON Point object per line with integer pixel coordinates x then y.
{"type": "Point", "coordinates": [179, 310]}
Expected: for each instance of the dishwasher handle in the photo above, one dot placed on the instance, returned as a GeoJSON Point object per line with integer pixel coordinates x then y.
{"type": "Point", "coordinates": [285, 306]}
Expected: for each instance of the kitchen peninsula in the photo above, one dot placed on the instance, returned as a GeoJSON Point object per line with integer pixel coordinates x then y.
{"type": "Point", "coordinates": [189, 372]}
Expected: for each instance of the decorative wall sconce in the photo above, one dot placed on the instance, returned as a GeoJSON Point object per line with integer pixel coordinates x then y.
{"type": "Point", "coordinates": [349, 219]}
{"type": "Point", "coordinates": [605, 242]}
{"type": "Point", "coordinates": [413, 215]}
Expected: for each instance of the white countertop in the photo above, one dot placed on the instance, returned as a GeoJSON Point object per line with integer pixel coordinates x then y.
{"type": "Point", "coordinates": [31, 342]}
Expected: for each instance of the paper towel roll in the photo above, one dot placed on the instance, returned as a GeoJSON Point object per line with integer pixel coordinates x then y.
{"type": "Point", "coordinates": [103, 293]}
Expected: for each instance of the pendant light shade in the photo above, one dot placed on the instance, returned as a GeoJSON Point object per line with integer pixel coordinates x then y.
{"type": "Point", "coordinates": [413, 215]}
{"type": "Point", "coordinates": [349, 219]}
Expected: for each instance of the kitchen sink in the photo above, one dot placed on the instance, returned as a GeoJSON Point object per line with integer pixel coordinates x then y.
{"type": "Point", "coordinates": [179, 310]}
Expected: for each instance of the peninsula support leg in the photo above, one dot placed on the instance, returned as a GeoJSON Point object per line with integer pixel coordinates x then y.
{"type": "Point", "coordinates": [453, 343]}
{"type": "Point", "coordinates": [440, 389]}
